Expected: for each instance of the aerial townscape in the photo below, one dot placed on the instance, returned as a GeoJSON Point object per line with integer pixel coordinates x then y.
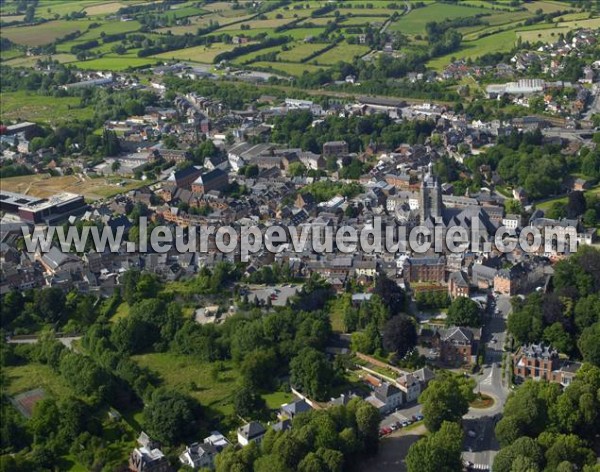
{"type": "Point", "coordinates": [228, 235]}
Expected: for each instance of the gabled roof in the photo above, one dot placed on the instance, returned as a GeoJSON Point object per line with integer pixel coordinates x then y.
{"type": "Point", "coordinates": [457, 334]}
{"type": "Point", "coordinates": [251, 430]}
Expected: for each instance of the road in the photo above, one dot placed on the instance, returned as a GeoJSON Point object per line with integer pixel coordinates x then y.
{"type": "Point", "coordinates": [393, 450]}
{"type": "Point", "coordinates": [66, 340]}
{"type": "Point", "coordinates": [595, 105]}
{"type": "Point", "coordinates": [481, 449]}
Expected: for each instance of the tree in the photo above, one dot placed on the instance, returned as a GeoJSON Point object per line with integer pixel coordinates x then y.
{"type": "Point", "coordinates": [168, 416]}
{"type": "Point", "coordinates": [437, 452]}
{"type": "Point", "coordinates": [399, 335]}
{"type": "Point", "coordinates": [446, 399]}
{"type": "Point", "coordinates": [463, 312]}
{"type": "Point", "coordinates": [576, 204]}
{"type": "Point", "coordinates": [50, 304]}
{"type": "Point", "coordinates": [367, 423]}
{"type": "Point", "coordinates": [522, 448]}
{"type": "Point", "coordinates": [115, 166]}
{"type": "Point", "coordinates": [589, 344]}
{"type": "Point", "coordinates": [391, 294]}
{"type": "Point", "coordinates": [247, 402]}
{"type": "Point", "coordinates": [258, 369]}
{"type": "Point", "coordinates": [311, 373]}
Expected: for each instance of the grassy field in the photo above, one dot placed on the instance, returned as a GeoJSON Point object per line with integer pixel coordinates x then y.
{"type": "Point", "coordinates": [547, 6]}
{"type": "Point", "coordinates": [414, 23]}
{"type": "Point", "coordinates": [201, 54]}
{"type": "Point", "coordinates": [25, 105]}
{"type": "Point", "coordinates": [300, 51]}
{"type": "Point", "coordinates": [549, 203]}
{"type": "Point", "coordinates": [363, 20]}
{"type": "Point", "coordinates": [290, 68]}
{"type": "Point", "coordinates": [115, 62]}
{"type": "Point", "coordinates": [498, 42]}
{"type": "Point", "coordinates": [31, 61]}
{"type": "Point", "coordinates": [43, 185]}
{"type": "Point", "coordinates": [104, 8]}
{"type": "Point", "coordinates": [252, 55]}
{"type": "Point", "coordinates": [182, 372]}
{"type": "Point", "coordinates": [44, 33]}
{"type": "Point", "coordinates": [29, 376]}
{"type": "Point", "coordinates": [341, 52]}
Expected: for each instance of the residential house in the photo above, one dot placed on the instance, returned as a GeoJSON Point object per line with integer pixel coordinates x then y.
{"type": "Point", "coordinates": [458, 346]}
{"type": "Point", "coordinates": [458, 285]}
{"type": "Point", "coordinates": [250, 432]}
{"type": "Point", "coordinates": [386, 398]}
{"type": "Point", "coordinates": [198, 455]}
{"type": "Point", "coordinates": [143, 459]}
{"type": "Point", "coordinates": [542, 362]}
{"type": "Point", "coordinates": [410, 387]}
{"type": "Point", "coordinates": [424, 269]}
{"type": "Point", "coordinates": [290, 410]}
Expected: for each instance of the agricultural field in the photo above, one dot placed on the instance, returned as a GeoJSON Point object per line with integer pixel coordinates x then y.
{"type": "Point", "coordinates": [257, 25]}
{"type": "Point", "coordinates": [31, 61]}
{"type": "Point", "coordinates": [290, 68]}
{"type": "Point", "coordinates": [247, 58]}
{"type": "Point", "coordinates": [363, 20]}
{"type": "Point", "coordinates": [91, 188]}
{"type": "Point", "coordinates": [499, 42]}
{"type": "Point", "coordinates": [547, 6]}
{"type": "Point", "coordinates": [414, 23]}
{"type": "Point", "coordinates": [24, 106]}
{"type": "Point", "coordinates": [341, 52]}
{"type": "Point", "coordinates": [300, 51]}
{"type": "Point", "coordinates": [103, 8]}
{"type": "Point", "coordinates": [45, 33]}
{"type": "Point", "coordinates": [202, 54]}
{"type": "Point", "coordinates": [116, 63]}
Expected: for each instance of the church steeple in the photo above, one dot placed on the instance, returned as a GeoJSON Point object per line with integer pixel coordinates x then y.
{"type": "Point", "coordinates": [431, 195]}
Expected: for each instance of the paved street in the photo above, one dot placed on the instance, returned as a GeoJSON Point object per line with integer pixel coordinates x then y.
{"type": "Point", "coordinates": [480, 441]}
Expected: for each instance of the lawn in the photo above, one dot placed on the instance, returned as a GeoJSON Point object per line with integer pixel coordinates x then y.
{"type": "Point", "coordinates": [341, 52]}
{"type": "Point", "coordinates": [195, 378]}
{"type": "Point", "coordinates": [299, 51]}
{"type": "Point", "coordinates": [203, 54]}
{"type": "Point", "coordinates": [24, 105]}
{"type": "Point", "coordinates": [276, 399]}
{"type": "Point", "coordinates": [42, 185]}
{"type": "Point", "coordinates": [44, 33]}
{"type": "Point", "coordinates": [26, 377]}
{"type": "Point", "coordinates": [414, 23]}
{"type": "Point", "coordinates": [546, 205]}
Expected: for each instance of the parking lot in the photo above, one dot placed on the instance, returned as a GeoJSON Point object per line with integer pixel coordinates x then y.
{"type": "Point", "coordinates": [401, 418]}
{"type": "Point", "coordinates": [278, 294]}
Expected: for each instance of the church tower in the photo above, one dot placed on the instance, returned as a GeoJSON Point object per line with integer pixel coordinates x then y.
{"type": "Point", "coordinates": [430, 202]}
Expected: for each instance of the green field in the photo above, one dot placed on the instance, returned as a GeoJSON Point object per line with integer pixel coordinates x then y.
{"type": "Point", "coordinates": [299, 51]}
{"type": "Point", "coordinates": [252, 55]}
{"type": "Point", "coordinates": [29, 376]}
{"type": "Point", "coordinates": [116, 63]}
{"type": "Point", "coordinates": [44, 33]}
{"type": "Point", "coordinates": [503, 41]}
{"type": "Point", "coordinates": [30, 61]}
{"type": "Point", "coordinates": [288, 67]}
{"type": "Point", "coordinates": [178, 372]}
{"type": "Point", "coordinates": [342, 52]}
{"type": "Point", "coordinates": [551, 34]}
{"type": "Point", "coordinates": [414, 23]}
{"type": "Point", "coordinates": [201, 54]}
{"type": "Point", "coordinates": [28, 106]}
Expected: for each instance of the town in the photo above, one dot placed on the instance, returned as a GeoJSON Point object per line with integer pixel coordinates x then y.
{"type": "Point", "coordinates": [396, 359]}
